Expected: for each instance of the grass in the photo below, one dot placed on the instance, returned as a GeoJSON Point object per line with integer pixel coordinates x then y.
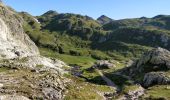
{"type": "Point", "coordinates": [80, 90]}
{"type": "Point", "coordinates": [159, 91]}
{"type": "Point", "coordinates": [3, 69]}
{"type": "Point", "coordinates": [130, 88]}
{"type": "Point", "coordinates": [119, 80]}
{"type": "Point", "coordinates": [24, 77]}
{"type": "Point", "coordinates": [83, 61]}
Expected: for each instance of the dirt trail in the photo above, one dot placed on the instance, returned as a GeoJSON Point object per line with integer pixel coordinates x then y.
{"type": "Point", "coordinates": [108, 81]}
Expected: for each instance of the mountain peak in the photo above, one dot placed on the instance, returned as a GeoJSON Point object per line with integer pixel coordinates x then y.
{"type": "Point", "coordinates": [103, 19]}
{"type": "Point", "coordinates": [103, 16]}
{"type": "Point", "coordinates": [50, 13]}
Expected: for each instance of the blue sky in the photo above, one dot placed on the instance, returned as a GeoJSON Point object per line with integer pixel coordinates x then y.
{"type": "Point", "coordinates": [116, 9]}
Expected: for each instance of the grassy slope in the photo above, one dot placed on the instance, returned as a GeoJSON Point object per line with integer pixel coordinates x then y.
{"type": "Point", "coordinates": [159, 91]}
{"type": "Point", "coordinates": [84, 61]}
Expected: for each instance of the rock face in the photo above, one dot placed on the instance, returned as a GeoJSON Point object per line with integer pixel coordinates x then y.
{"type": "Point", "coordinates": [13, 41]}
{"type": "Point", "coordinates": [157, 57]}
{"type": "Point", "coordinates": [153, 78]}
{"type": "Point", "coordinates": [39, 75]}
{"type": "Point", "coordinates": [16, 44]}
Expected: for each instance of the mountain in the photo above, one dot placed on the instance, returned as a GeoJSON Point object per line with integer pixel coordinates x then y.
{"type": "Point", "coordinates": [78, 35]}
{"type": "Point", "coordinates": [74, 24]}
{"type": "Point", "coordinates": [157, 22]}
{"type": "Point", "coordinates": [104, 19]}
{"type": "Point", "coordinates": [120, 40]}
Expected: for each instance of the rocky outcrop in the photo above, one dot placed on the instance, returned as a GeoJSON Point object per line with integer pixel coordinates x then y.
{"type": "Point", "coordinates": [27, 73]}
{"type": "Point", "coordinates": [159, 78]}
{"type": "Point", "coordinates": [151, 69]}
{"type": "Point", "coordinates": [15, 44]}
{"type": "Point", "coordinates": [13, 41]}
{"type": "Point", "coordinates": [133, 94]}
{"type": "Point", "coordinates": [104, 64]}
{"type": "Point", "coordinates": [157, 57]}
{"type": "Point", "coordinates": [39, 83]}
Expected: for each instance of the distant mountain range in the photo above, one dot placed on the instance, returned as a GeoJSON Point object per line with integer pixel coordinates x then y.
{"type": "Point", "coordinates": [123, 37]}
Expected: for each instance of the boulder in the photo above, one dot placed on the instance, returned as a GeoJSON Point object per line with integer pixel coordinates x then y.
{"type": "Point", "coordinates": [153, 78]}
{"type": "Point", "coordinates": [157, 57]}
{"type": "Point", "coordinates": [52, 94]}
{"type": "Point", "coordinates": [151, 69]}
{"type": "Point", "coordinates": [133, 94]}
{"type": "Point", "coordinates": [104, 64]}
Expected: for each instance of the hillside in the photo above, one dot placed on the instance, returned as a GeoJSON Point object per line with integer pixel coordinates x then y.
{"type": "Point", "coordinates": [66, 56]}
{"type": "Point", "coordinates": [80, 41]}
{"type": "Point", "coordinates": [104, 20]}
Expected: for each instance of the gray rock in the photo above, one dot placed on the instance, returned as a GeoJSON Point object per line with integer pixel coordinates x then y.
{"type": "Point", "coordinates": [133, 95]}
{"type": "Point", "coordinates": [13, 97]}
{"type": "Point", "coordinates": [158, 56]}
{"type": "Point", "coordinates": [13, 41]}
{"type": "Point", "coordinates": [19, 51]}
{"type": "Point", "coordinates": [104, 64]}
{"type": "Point", "coordinates": [153, 78]}
{"type": "Point", "coordinates": [52, 94]}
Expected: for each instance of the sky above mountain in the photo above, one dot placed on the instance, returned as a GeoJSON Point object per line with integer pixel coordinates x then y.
{"type": "Point", "coordinates": [116, 9]}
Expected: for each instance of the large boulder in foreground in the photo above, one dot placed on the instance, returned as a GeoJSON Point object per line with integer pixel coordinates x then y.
{"type": "Point", "coordinates": [26, 74]}
{"type": "Point", "coordinates": [13, 41]}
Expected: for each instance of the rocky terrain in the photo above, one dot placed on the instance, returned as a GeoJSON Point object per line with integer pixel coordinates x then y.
{"type": "Point", "coordinates": [24, 73]}
{"type": "Point", "coordinates": [14, 42]}
{"type": "Point", "coordinates": [108, 59]}
{"type": "Point", "coordinates": [152, 69]}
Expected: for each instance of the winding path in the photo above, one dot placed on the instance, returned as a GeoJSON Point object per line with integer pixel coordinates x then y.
{"type": "Point", "coordinates": [107, 80]}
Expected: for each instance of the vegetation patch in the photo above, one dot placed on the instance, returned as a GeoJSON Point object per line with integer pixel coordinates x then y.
{"type": "Point", "coordinates": [158, 92]}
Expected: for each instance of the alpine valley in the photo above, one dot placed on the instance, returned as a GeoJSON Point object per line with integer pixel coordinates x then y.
{"type": "Point", "coordinates": [65, 56]}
